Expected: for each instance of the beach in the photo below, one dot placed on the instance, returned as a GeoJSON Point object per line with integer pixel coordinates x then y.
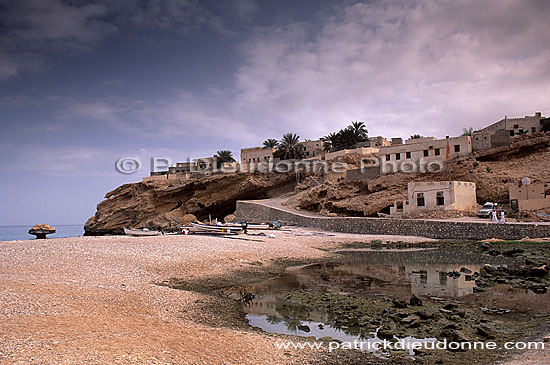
{"type": "Point", "coordinates": [107, 299]}
{"type": "Point", "coordinates": [97, 299]}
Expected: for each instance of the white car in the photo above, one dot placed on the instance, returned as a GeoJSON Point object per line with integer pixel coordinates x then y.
{"type": "Point", "coordinates": [487, 210]}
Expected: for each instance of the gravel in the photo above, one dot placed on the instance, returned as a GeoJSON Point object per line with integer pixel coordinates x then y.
{"type": "Point", "coordinates": [94, 299]}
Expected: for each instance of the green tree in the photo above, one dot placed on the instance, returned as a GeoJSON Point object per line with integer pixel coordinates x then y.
{"type": "Point", "coordinates": [467, 131]}
{"type": "Point", "coordinates": [270, 143]}
{"type": "Point", "coordinates": [330, 141]}
{"type": "Point", "coordinates": [360, 131]}
{"type": "Point", "coordinates": [223, 156]}
{"type": "Point", "coordinates": [416, 136]}
{"type": "Point", "coordinates": [289, 147]}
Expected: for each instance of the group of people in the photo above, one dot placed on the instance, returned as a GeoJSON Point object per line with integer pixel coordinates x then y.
{"type": "Point", "coordinates": [495, 217]}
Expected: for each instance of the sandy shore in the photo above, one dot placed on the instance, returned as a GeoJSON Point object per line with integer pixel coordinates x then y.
{"type": "Point", "coordinates": [94, 299]}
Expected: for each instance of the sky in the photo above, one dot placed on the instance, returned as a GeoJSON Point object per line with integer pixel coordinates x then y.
{"type": "Point", "coordinates": [86, 83]}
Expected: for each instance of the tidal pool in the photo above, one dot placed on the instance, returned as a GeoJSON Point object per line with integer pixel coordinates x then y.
{"type": "Point", "coordinates": [351, 297]}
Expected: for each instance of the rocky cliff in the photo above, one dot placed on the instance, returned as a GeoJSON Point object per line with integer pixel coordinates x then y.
{"type": "Point", "coordinates": [165, 203]}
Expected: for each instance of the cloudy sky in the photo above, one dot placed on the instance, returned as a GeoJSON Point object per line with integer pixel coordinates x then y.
{"type": "Point", "coordinates": [84, 83]}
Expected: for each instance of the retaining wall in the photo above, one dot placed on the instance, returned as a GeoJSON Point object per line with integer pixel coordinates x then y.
{"type": "Point", "coordinates": [254, 212]}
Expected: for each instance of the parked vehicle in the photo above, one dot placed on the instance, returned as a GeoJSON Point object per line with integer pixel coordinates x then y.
{"type": "Point", "coordinates": [487, 210]}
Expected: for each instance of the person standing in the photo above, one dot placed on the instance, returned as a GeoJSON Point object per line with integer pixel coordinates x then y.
{"type": "Point", "coordinates": [495, 220]}
{"type": "Point", "coordinates": [502, 219]}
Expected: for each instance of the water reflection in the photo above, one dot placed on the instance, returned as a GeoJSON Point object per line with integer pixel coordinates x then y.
{"type": "Point", "coordinates": [369, 274]}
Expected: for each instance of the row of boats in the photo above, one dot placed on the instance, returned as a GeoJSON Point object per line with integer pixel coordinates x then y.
{"type": "Point", "coordinates": [197, 227]}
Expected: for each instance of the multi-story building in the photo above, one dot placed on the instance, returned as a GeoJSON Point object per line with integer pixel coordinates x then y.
{"type": "Point", "coordinates": [500, 133]}
{"type": "Point", "coordinates": [256, 155]}
{"type": "Point", "coordinates": [312, 148]}
{"type": "Point", "coordinates": [416, 153]}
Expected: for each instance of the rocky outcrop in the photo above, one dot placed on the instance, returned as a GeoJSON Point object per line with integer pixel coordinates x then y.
{"type": "Point", "coordinates": [41, 230]}
{"type": "Point", "coordinates": [169, 204]}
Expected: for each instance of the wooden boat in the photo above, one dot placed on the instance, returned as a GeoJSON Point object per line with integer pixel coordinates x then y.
{"type": "Point", "coordinates": [140, 232]}
{"type": "Point", "coordinates": [250, 226]}
{"type": "Point", "coordinates": [214, 229]}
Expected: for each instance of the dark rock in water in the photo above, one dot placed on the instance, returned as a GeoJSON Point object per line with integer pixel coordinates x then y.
{"type": "Point", "coordinates": [484, 331]}
{"type": "Point", "coordinates": [502, 281]}
{"type": "Point", "coordinates": [465, 270]}
{"type": "Point", "coordinates": [320, 326]}
{"type": "Point", "coordinates": [410, 319]}
{"type": "Point", "coordinates": [513, 252]}
{"type": "Point", "coordinates": [494, 253]}
{"type": "Point", "coordinates": [399, 303]}
{"type": "Point", "coordinates": [304, 328]}
{"type": "Point", "coordinates": [450, 306]}
{"type": "Point", "coordinates": [415, 301]}
{"type": "Point", "coordinates": [538, 272]}
{"type": "Point", "coordinates": [425, 314]}
{"type": "Point", "coordinates": [387, 331]}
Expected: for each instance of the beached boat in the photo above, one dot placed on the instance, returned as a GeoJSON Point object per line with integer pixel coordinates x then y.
{"type": "Point", "coordinates": [214, 229]}
{"type": "Point", "coordinates": [250, 226]}
{"type": "Point", "coordinates": [140, 232]}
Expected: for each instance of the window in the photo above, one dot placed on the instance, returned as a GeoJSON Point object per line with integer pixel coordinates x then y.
{"type": "Point", "coordinates": [443, 278]}
{"type": "Point", "coordinates": [439, 198]}
{"type": "Point", "coordinates": [420, 199]}
{"type": "Point", "coordinates": [533, 129]}
{"type": "Point", "coordinates": [437, 151]}
{"type": "Point", "coordinates": [307, 153]}
{"type": "Point", "coordinates": [426, 153]}
{"type": "Point", "coordinates": [516, 126]}
{"type": "Point", "coordinates": [511, 133]}
{"type": "Point", "coordinates": [408, 154]}
{"type": "Point", "coordinates": [457, 148]}
{"type": "Point", "coordinates": [398, 156]}
{"type": "Point", "coordinates": [399, 206]}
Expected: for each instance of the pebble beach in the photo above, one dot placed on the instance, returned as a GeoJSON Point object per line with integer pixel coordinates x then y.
{"type": "Point", "coordinates": [98, 299]}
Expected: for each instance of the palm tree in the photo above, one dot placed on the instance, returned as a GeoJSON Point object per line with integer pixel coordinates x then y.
{"type": "Point", "coordinates": [467, 131]}
{"type": "Point", "coordinates": [360, 131]}
{"type": "Point", "coordinates": [330, 141]}
{"type": "Point", "coordinates": [347, 138]}
{"type": "Point", "coordinates": [416, 136]}
{"type": "Point", "coordinates": [223, 156]}
{"type": "Point", "coordinates": [270, 143]}
{"type": "Point", "coordinates": [289, 147]}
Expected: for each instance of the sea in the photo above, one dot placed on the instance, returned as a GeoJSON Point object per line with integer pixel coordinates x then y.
{"type": "Point", "coordinates": [12, 233]}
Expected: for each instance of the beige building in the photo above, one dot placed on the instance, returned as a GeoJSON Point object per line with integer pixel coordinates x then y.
{"type": "Point", "coordinates": [416, 154]}
{"type": "Point", "coordinates": [446, 195]}
{"type": "Point", "coordinates": [256, 154]}
{"type": "Point", "coordinates": [507, 127]}
{"type": "Point", "coordinates": [529, 196]}
{"type": "Point", "coordinates": [312, 148]}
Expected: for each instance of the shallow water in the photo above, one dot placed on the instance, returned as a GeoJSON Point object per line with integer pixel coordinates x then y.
{"type": "Point", "coordinates": [437, 274]}
{"type": "Point", "coordinates": [12, 233]}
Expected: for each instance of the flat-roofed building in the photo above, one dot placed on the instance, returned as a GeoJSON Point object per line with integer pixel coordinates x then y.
{"type": "Point", "coordinates": [256, 154]}
{"type": "Point", "coordinates": [312, 148]}
{"type": "Point", "coordinates": [418, 153]}
{"type": "Point", "coordinates": [500, 133]}
{"type": "Point", "coordinates": [445, 195]}
{"type": "Point", "coordinates": [529, 196]}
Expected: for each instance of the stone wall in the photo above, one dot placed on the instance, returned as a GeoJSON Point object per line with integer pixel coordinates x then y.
{"type": "Point", "coordinates": [251, 211]}
{"type": "Point", "coordinates": [371, 172]}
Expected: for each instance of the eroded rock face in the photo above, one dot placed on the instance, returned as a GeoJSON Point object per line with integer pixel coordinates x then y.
{"type": "Point", "coordinates": [169, 204]}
